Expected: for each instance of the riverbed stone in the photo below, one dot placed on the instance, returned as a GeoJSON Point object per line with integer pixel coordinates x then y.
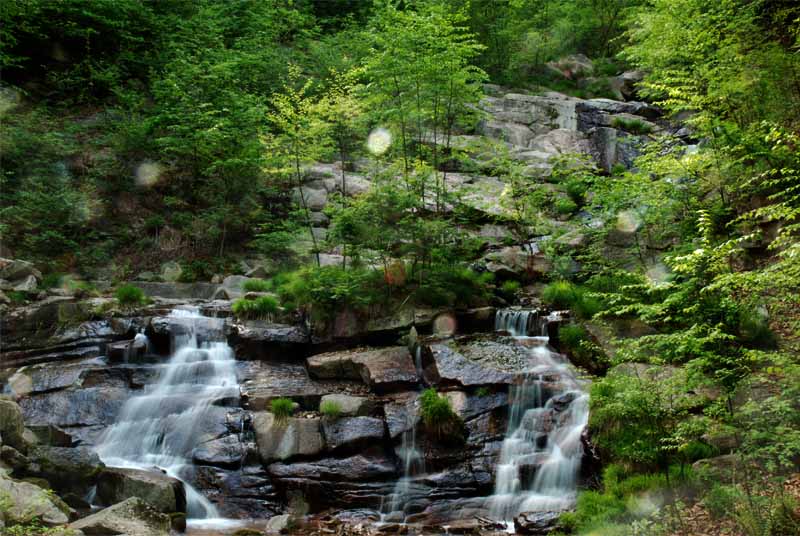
{"type": "Point", "coordinates": [282, 439]}
{"type": "Point", "coordinates": [162, 492]}
{"type": "Point", "coordinates": [352, 433]}
{"type": "Point", "coordinates": [28, 503]}
{"type": "Point", "coordinates": [132, 517]}
{"type": "Point", "coordinates": [381, 369]}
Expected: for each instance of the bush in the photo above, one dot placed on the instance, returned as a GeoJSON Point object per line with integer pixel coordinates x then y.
{"type": "Point", "coordinates": [509, 289]}
{"type": "Point", "coordinates": [260, 308]}
{"type": "Point", "coordinates": [330, 408]}
{"type": "Point", "coordinates": [282, 408]}
{"type": "Point", "coordinates": [448, 286]}
{"type": "Point", "coordinates": [566, 295]}
{"type": "Point", "coordinates": [329, 288]}
{"type": "Point", "coordinates": [439, 418]}
{"type": "Point", "coordinates": [483, 391]}
{"type": "Point", "coordinates": [565, 205]}
{"type": "Point", "coordinates": [129, 295]}
{"type": "Point", "coordinates": [634, 126]}
{"type": "Point", "coordinates": [257, 285]}
{"type": "Point", "coordinates": [576, 190]}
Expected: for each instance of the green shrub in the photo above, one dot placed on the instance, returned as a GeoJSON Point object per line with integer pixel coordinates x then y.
{"type": "Point", "coordinates": [257, 285]}
{"type": "Point", "coordinates": [618, 169]}
{"type": "Point", "coordinates": [483, 391]}
{"type": "Point", "coordinates": [448, 286]}
{"type": "Point", "coordinates": [439, 418]}
{"type": "Point", "coordinates": [327, 289]}
{"type": "Point", "coordinates": [129, 295]}
{"type": "Point", "coordinates": [576, 190]}
{"type": "Point", "coordinates": [721, 500]}
{"type": "Point", "coordinates": [259, 308]}
{"type": "Point", "coordinates": [510, 288]}
{"type": "Point", "coordinates": [330, 408]}
{"type": "Point", "coordinates": [634, 126]}
{"type": "Point", "coordinates": [754, 329]}
{"type": "Point", "coordinates": [565, 205]}
{"type": "Point", "coordinates": [566, 295]}
{"type": "Point", "coordinates": [196, 270]}
{"type": "Point", "coordinates": [594, 509]}
{"type": "Point", "coordinates": [51, 280]}
{"type": "Point", "coordinates": [17, 297]}
{"type": "Point", "coordinates": [282, 408]}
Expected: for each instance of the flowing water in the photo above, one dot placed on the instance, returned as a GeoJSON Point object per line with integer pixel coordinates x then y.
{"type": "Point", "coordinates": [541, 454]}
{"type": "Point", "coordinates": [159, 428]}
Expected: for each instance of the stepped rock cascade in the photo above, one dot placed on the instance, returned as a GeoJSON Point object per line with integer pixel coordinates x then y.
{"type": "Point", "coordinates": [517, 322]}
{"type": "Point", "coordinates": [541, 454]}
{"type": "Point", "coordinates": [413, 461]}
{"type": "Point", "coordinates": [161, 427]}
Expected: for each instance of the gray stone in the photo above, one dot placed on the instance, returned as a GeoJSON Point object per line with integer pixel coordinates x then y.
{"type": "Point", "coordinates": [282, 439]}
{"type": "Point", "coordinates": [352, 433]}
{"type": "Point", "coordinates": [28, 503]}
{"type": "Point", "coordinates": [444, 366]}
{"type": "Point", "coordinates": [536, 522]}
{"type": "Point", "coordinates": [28, 284]}
{"type": "Point", "coordinates": [162, 492]}
{"type": "Point", "coordinates": [131, 517]}
{"type": "Point", "coordinates": [349, 405]}
{"type": "Point", "coordinates": [69, 470]}
{"type": "Point", "coordinates": [12, 425]}
{"type": "Point", "coordinates": [278, 524]}
{"type": "Point", "coordinates": [226, 451]}
{"type": "Point", "coordinates": [381, 369]}
{"type": "Point", "coordinates": [14, 270]}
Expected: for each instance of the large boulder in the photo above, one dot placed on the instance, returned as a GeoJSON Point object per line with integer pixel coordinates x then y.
{"type": "Point", "coordinates": [68, 470]}
{"type": "Point", "coordinates": [282, 439]}
{"type": "Point", "coordinates": [444, 366]}
{"type": "Point", "coordinates": [12, 426]}
{"type": "Point", "coordinates": [352, 433]}
{"type": "Point", "coordinates": [132, 517]}
{"type": "Point", "coordinates": [382, 369]}
{"type": "Point", "coordinates": [15, 270]}
{"type": "Point", "coordinates": [536, 522]}
{"type": "Point", "coordinates": [27, 503]}
{"type": "Point", "coordinates": [162, 492]}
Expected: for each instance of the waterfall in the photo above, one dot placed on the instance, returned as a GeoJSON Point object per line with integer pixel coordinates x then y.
{"type": "Point", "coordinates": [515, 321]}
{"type": "Point", "coordinates": [413, 461]}
{"type": "Point", "coordinates": [159, 428]}
{"type": "Point", "coordinates": [541, 454]}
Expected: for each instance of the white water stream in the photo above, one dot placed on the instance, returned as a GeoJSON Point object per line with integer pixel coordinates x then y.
{"type": "Point", "coordinates": [541, 454]}
{"type": "Point", "coordinates": [159, 428]}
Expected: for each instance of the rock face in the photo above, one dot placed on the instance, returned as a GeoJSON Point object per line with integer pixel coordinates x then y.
{"type": "Point", "coordinates": [12, 425]}
{"type": "Point", "coordinates": [284, 439]}
{"type": "Point", "coordinates": [68, 470]}
{"type": "Point", "coordinates": [443, 366]}
{"type": "Point", "coordinates": [132, 517]}
{"type": "Point", "coordinates": [350, 406]}
{"type": "Point", "coordinates": [164, 493]}
{"type": "Point", "coordinates": [536, 522]}
{"type": "Point", "coordinates": [28, 503]}
{"type": "Point", "coordinates": [381, 369]}
{"type": "Point", "coordinates": [352, 433]}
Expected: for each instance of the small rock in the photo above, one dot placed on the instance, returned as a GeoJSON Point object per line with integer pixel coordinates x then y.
{"type": "Point", "coordinates": [351, 406]}
{"type": "Point", "coordinates": [133, 517]}
{"type": "Point", "coordinates": [162, 492]}
{"type": "Point", "coordinates": [12, 427]}
{"type": "Point", "coordinates": [284, 439]}
{"type": "Point", "coordinates": [278, 524]}
{"type": "Point", "coordinates": [28, 503]}
{"type": "Point", "coordinates": [536, 522]}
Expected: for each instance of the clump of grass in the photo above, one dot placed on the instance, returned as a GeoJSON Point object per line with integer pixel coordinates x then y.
{"type": "Point", "coordinates": [483, 391]}
{"type": "Point", "coordinates": [17, 297]}
{"type": "Point", "coordinates": [129, 295]}
{"type": "Point", "coordinates": [257, 285]}
{"type": "Point", "coordinates": [566, 295]}
{"type": "Point", "coordinates": [634, 126]}
{"type": "Point", "coordinates": [565, 205]}
{"type": "Point", "coordinates": [330, 409]}
{"type": "Point", "coordinates": [262, 307]}
{"type": "Point", "coordinates": [509, 289]}
{"type": "Point", "coordinates": [439, 418]}
{"type": "Point", "coordinates": [282, 408]}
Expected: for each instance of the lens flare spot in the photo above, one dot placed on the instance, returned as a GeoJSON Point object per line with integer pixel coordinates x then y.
{"type": "Point", "coordinates": [378, 141]}
{"type": "Point", "coordinates": [628, 221]}
{"type": "Point", "coordinates": [147, 173]}
{"type": "Point", "coordinates": [444, 325]}
{"type": "Point", "coordinates": [658, 273]}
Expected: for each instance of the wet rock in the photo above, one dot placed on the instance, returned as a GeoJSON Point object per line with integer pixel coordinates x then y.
{"type": "Point", "coordinates": [14, 269]}
{"type": "Point", "coordinates": [349, 406]}
{"type": "Point", "coordinates": [28, 284]}
{"type": "Point", "coordinates": [94, 406]}
{"type": "Point", "coordinates": [226, 451]}
{"type": "Point", "coordinates": [536, 522]}
{"type": "Point", "coordinates": [126, 351]}
{"type": "Point", "coordinates": [278, 524]}
{"type": "Point", "coordinates": [14, 459]}
{"type": "Point", "coordinates": [28, 503]}
{"type": "Point", "coordinates": [282, 439]}
{"type": "Point", "coordinates": [352, 433]}
{"type": "Point", "coordinates": [69, 470]}
{"type": "Point", "coordinates": [12, 425]}
{"type": "Point", "coordinates": [381, 369]}
{"type": "Point", "coordinates": [133, 517]}
{"type": "Point", "coordinates": [258, 339]}
{"type": "Point", "coordinates": [162, 492]}
{"type": "Point", "coordinates": [358, 481]}
{"type": "Point", "coordinates": [444, 366]}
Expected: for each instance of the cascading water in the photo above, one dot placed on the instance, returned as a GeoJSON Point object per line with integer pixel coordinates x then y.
{"type": "Point", "coordinates": [540, 458]}
{"type": "Point", "coordinates": [413, 464]}
{"type": "Point", "coordinates": [517, 322]}
{"type": "Point", "coordinates": [161, 427]}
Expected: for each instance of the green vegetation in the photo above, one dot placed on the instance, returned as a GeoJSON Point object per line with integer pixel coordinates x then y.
{"type": "Point", "coordinates": [439, 418]}
{"type": "Point", "coordinates": [634, 126]}
{"type": "Point", "coordinates": [129, 295]}
{"type": "Point", "coordinates": [282, 408]}
{"type": "Point", "coordinates": [257, 285]}
{"type": "Point", "coordinates": [262, 307]}
{"type": "Point", "coordinates": [330, 409]}
{"type": "Point", "coordinates": [567, 295]}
